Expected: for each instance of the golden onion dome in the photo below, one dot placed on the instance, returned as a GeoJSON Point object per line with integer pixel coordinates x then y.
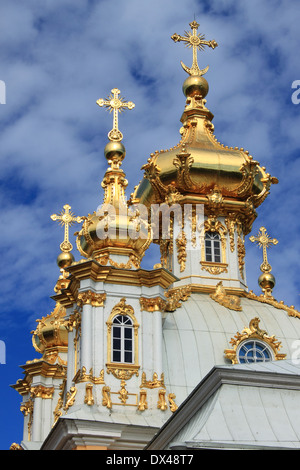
{"type": "Point", "coordinates": [115, 229]}
{"type": "Point", "coordinates": [51, 332]}
{"type": "Point", "coordinates": [199, 169]}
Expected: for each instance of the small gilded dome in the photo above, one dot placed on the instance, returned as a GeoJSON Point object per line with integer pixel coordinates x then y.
{"type": "Point", "coordinates": [114, 227]}
{"type": "Point", "coordinates": [114, 231]}
{"type": "Point", "coordinates": [51, 331]}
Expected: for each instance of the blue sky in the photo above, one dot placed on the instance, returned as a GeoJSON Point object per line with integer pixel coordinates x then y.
{"type": "Point", "coordinates": [58, 59]}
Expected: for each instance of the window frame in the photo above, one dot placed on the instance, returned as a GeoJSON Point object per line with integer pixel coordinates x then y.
{"type": "Point", "coordinates": [125, 324]}
{"type": "Point", "coordinates": [254, 341]}
{"type": "Point", "coordinates": [210, 238]}
{"type": "Point", "coordinates": [117, 367]}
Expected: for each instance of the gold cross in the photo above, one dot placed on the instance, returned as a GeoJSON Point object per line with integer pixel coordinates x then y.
{"type": "Point", "coordinates": [196, 41]}
{"type": "Point", "coordinates": [66, 218]}
{"type": "Point", "coordinates": [263, 240]}
{"type": "Point", "coordinates": [117, 105]}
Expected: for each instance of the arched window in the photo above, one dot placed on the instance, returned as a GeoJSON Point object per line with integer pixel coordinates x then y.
{"type": "Point", "coordinates": [122, 339]}
{"type": "Point", "coordinates": [253, 351]}
{"type": "Point", "coordinates": [212, 247]}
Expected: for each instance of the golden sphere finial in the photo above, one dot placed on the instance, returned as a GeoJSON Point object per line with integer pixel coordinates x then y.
{"type": "Point", "coordinates": [65, 259]}
{"type": "Point", "coordinates": [195, 85]}
{"type": "Point", "coordinates": [267, 283]}
{"type": "Point", "coordinates": [114, 151]}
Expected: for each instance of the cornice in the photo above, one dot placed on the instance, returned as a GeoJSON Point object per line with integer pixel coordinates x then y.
{"type": "Point", "coordinates": [91, 269]}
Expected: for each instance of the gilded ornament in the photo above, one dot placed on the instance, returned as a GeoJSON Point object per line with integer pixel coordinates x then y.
{"type": "Point", "coordinates": [253, 332]}
{"type": "Point", "coordinates": [62, 282]}
{"type": "Point", "coordinates": [27, 410]}
{"type": "Point", "coordinates": [122, 373]}
{"type": "Point", "coordinates": [92, 298]}
{"type": "Point", "coordinates": [181, 250]}
{"type": "Point", "coordinates": [215, 199]}
{"type": "Point", "coordinates": [175, 296]}
{"type": "Point", "coordinates": [233, 302]}
{"type": "Point", "coordinates": [106, 400]}
{"type": "Point", "coordinates": [89, 399]}
{"type": "Point", "coordinates": [152, 304]}
{"type": "Point", "coordinates": [58, 409]}
{"type": "Point", "coordinates": [183, 162]}
{"type": "Point", "coordinates": [214, 268]}
{"type": "Point", "coordinates": [83, 376]}
{"type": "Point", "coordinates": [74, 321]}
{"type": "Point", "coordinates": [123, 394]}
{"type": "Point", "coordinates": [291, 311]}
{"type": "Point", "coordinates": [143, 405]}
{"type": "Point", "coordinates": [70, 398]}
{"type": "Point", "coordinates": [171, 398]}
{"type": "Point", "coordinates": [121, 308]}
{"type": "Point", "coordinates": [162, 404]}
{"type": "Point", "coordinates": [154, 383]}
{"type": "Point", "coordinates": [40, 391]}
{"type": "Point", "coordinates": [230, 222]}
{"type": "Point", "coordinates": [241, 255]}
{"type": "Point", "coordinates": [15, 446]}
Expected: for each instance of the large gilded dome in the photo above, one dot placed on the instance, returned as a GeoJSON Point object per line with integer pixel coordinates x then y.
{"type": "Point", "coordinates": [199, 169]}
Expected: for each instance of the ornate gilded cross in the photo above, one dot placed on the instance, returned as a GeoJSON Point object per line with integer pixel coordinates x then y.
{"type": "Point", "coordinates": [263, 240]}
{"type": "Point", "coordinates": [117, 105]}
{"type": "Point", "coordinates": [196, 41]}
{"type": "Point", "coordinates": [66, 218]}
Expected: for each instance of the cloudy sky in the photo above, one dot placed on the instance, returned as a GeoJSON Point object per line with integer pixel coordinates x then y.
{"type": "Point", "coordinates": [58, 57]}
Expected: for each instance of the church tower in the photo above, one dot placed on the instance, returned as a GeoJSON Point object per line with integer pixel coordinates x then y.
{"type": "Point", "coordinates": [125, 347]}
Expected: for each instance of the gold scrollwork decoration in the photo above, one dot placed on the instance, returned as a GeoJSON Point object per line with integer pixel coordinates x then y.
{"type": "Point", "coordinates": [122, 373]}
{"type": "Point", "coordinates": [106, 399]}
{"type": "Point", "coordinates": [58, 409]}
{"type": "Point", "coordinates": [154, 383]}
{"type": "Point", "coordinates": [70, 398]}
{"type": "Point", "coordinates": [92, 298]}
{"type": "Point", "coordinates": [233, 302]}
{"type": "Point", "coordinates": [152, 304]}
{"type": "Point", "coordinates": [83, 376]}
{"type": "Point", "coordinates": [175, 296]}
{"type": "Point", "coordinates": [162, 404]}
{"type": "Point", "coordinates": [89, 399]}
{"type": "Point", "coordinates": [171, 398]}
{"type": "Point", "coordinates": [181, 250]}
{"type": "Point", "coordinates": [40, 391]}
{"type": "Point", "coordinates": [143, 405]}
{"type": "Point", "coordinates": [123, 393]}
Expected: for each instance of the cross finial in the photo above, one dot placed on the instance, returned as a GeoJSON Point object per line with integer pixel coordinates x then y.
{"type": "Point", "coordinates": [263, 240]}
{"type": "Point", "coordinates": [196, 41]}
{"type": "Point", "coordinates": [117, 105]}
{"type": "Point", "coordinates": [66, 218]}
